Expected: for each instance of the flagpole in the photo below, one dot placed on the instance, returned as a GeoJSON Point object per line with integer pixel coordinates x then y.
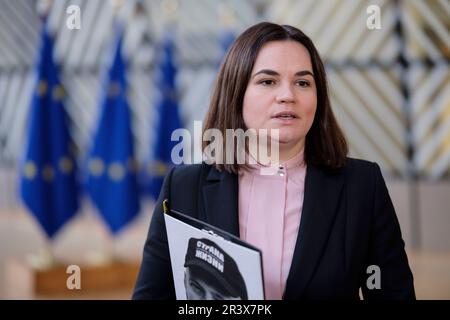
{"type": "Point", "coordinates": [49, 258]}
{"type": "Point", "coordinates": [44, 258]}
{"type": "Point", "coordinates": [101, 255]}
{"type": "Point", "coordinates": [110, 249]}
{"type": "Point", "coordinates": [105, 255]}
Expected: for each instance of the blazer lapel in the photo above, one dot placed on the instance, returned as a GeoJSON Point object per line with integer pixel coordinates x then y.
{"type": "Point", "coordinates": [322, 193]}
{"type": "Point", "coordinates": [220, 195]}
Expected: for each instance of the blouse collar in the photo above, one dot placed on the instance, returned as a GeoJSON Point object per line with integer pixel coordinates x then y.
{"type": "Point", "coordinates": [294, 162]}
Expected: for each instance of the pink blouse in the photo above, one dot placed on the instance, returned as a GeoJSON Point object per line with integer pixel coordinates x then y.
{"type": "Point", "coordinates": [270, 207]}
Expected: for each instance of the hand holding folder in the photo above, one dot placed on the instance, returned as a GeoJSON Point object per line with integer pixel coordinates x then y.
{"type": "Point", "coordinates": [209, 263]}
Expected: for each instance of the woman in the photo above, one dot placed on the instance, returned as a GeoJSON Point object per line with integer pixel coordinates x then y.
{"type": "Point", "coordinates": [323, 221]}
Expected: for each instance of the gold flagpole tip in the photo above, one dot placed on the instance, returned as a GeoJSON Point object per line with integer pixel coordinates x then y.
{"type": "Point", "coordinates": [116, 5]}
{"type": "Point", "coordinates": [43, 7]}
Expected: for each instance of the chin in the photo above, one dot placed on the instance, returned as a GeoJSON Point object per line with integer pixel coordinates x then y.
{"type": "Point", "coordinates": [289, 137]}
{"type": "Point", "coordinates": [289, 140]}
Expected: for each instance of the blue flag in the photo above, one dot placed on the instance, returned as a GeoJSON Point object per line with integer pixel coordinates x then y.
{"type": "Point", "coordinates": [112, 181]}
{"type": "Point", "coordinates": [48, 183]}
{"type": "Point", "coordinates": [226, 39]}
{"type": "Point", "coordinates": [168, 118]}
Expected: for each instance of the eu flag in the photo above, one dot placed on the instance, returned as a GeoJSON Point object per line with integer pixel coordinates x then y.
{"type": "Point", "coordinates": [168, 117]}
{"type": "Point", "coordinates": [112, 182]}
{"type": "Point", "coordinates": [48, 183]}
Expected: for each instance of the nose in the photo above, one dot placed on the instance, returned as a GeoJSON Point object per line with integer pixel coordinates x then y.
{"type": "Point", "coordinates": [285, 94]}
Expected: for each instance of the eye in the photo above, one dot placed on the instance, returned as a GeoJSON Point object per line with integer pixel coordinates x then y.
{"type": "Point", "coordinates": [303, 83]}
{"type": "Point", "coordinates": [217, 296]}
{"type": "Point", "coordinates": [197, 288]}
{"type": "Point", "coordinates": [266, 82]}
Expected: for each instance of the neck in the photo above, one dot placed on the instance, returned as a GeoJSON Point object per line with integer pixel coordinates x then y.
{"type": "Point", "coordinates": [285, 151]}
{"type": "Point", "coordinates": [288, 151]}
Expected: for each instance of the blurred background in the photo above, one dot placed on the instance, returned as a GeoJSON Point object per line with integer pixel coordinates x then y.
{"type": "Point", "coordinates": [90, 91]}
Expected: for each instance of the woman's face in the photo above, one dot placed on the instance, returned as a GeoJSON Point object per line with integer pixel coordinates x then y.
{"type": "Point", "coordinates": [198, 289]}
{"type": "Point", "coordinates": [281, 93]}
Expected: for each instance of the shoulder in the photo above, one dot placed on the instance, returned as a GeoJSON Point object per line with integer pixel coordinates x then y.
{"type": "Point", "coordinates": [186, 171]}
{"type": "Point", "coordinates": [354, 169]}
{"type": "Point", "coordinates": [360, 169]}
{"type": "Point", "coordinates": [359, 164]}
{"type": "Point", "coordinates": [188, 174]}
{"type": "Point", "coordinates": [362, 176]}
{"type": "Point", "coordinates": [185, 187]}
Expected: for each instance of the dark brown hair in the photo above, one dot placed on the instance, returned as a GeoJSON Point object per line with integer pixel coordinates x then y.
{"type": "Point", "coordinates": [325, 144]}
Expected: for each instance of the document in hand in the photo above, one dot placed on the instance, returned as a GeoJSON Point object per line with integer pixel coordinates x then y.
{"type": "Point", "coordinates": [211, 264]}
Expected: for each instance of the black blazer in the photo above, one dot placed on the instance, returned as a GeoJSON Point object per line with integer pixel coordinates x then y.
{"type": "Point", "coordinates": [348, 222]}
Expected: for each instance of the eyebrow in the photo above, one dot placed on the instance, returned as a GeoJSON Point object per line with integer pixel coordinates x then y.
{"type": "Point", "coordinates": [274, 73]}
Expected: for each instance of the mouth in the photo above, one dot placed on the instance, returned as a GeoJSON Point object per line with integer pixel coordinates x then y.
{"type": "Point", "coordinates": [285, 115]}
